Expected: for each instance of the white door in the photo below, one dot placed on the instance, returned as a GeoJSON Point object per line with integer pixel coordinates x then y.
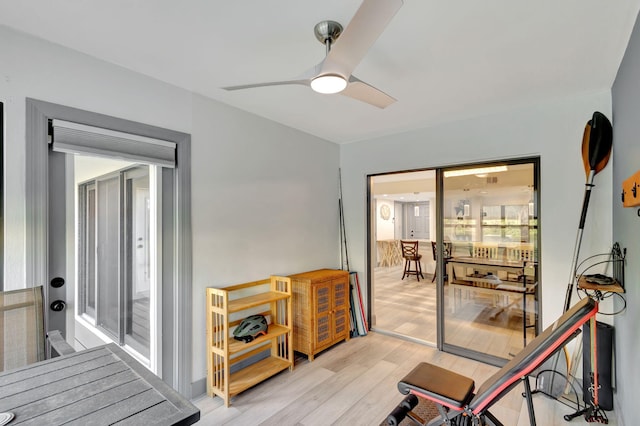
{"type": "Point", "coordinates": [416, 221]}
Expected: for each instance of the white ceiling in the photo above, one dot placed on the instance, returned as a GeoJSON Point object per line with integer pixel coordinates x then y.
{"type": "Point", "coordinates": [443, 60]}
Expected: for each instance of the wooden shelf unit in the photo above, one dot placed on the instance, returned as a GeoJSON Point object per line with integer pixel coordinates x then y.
{"type": "Point", "coordinates": [321, 310]}
{"type": "Point", "coordinates": [226, 308]}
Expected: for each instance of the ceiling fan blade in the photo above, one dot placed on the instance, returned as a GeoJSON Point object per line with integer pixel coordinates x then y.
{"type": "Point", "coordinates": [271, 83]}
{"type": "Point", "coordinates": [303, 79]}
{"type": "Point", "coordinates": [358, 89]}
{"type": "Point", "coordinates": [367, 24]}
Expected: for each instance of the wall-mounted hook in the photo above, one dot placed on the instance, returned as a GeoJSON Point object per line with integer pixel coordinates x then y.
{"type": "Point", "coordinates": [630, 189]}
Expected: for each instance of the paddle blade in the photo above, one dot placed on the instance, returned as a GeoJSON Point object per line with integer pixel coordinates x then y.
{"type": "Point", "coordinates": [585, 148]}
{"type": "Point", "coordinates": [599, 142]}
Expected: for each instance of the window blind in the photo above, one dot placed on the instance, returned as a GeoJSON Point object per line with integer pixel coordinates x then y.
{"type": "Point", "coordinates": [77, 138]}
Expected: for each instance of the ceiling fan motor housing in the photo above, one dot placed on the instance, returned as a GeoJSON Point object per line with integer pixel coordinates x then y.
{"type": "Point", "coordinates": [327, 31]}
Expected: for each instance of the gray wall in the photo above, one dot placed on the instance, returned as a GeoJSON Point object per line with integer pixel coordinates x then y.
{"type": "Point", "coordinates": [264, 196]}
{"type": "Point", "coordinates": [626, 225]}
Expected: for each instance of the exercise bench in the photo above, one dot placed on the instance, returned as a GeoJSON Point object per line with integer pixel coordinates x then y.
{"type": "Point", "coordinates": [454, 394]}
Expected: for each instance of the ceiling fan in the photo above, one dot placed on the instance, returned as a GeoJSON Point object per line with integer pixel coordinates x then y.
{"type": "Point", "coordinates": [333, 73]}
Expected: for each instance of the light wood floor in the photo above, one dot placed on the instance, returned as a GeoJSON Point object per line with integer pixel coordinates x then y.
{"type": "Point", "coordinates": [354, 383]}
{"type": "Point", "coordinates": [408, 307]}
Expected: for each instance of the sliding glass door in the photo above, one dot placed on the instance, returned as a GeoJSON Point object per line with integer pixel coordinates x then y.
{"type": "Point", "coordinates": [490, 230]}
{"type": "Point", "coordinates": [476, 289]}
{"type": "Point", "coordinates": [116, 282]}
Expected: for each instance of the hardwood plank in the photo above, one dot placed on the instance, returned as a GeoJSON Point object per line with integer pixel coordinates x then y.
{"type": "Point", "coordinates": [380, 400]}
{"type": "Point", "coordinates": [340, 402]}
{"type": "Point", "coordinates": [314, 397]}
{"type": "Point", "coordinates": [312, 386]}
{"type": "Point", "coordinates": [263, 402]}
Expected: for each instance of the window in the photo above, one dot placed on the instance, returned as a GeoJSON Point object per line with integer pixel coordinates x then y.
{"type": "Point", "coordinates": [116, 283]}
{"type": "Point", "coordinates": [508, 223]}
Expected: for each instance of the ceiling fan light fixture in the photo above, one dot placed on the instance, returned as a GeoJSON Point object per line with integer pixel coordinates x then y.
{"type": "Point", "coordinates": [329, 83]}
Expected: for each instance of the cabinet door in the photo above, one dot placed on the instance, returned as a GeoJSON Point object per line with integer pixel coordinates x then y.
{"type": "Point", "coordinates": [323, 307]}
{"type": "Point", "coordinates": [340, 290]}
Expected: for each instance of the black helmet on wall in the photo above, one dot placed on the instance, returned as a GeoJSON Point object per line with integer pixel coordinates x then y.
{"type": "Point", "coordinates": [250, 328]}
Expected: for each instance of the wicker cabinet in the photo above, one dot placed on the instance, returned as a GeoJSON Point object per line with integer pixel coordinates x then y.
{"type": "Point", "coordinates": [227, 373]}
{"type": "Point", "coordinates": [320, 310]}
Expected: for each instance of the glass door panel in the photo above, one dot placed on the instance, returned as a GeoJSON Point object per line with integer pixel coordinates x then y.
{"type": "Point", "coordinates": [108, 254]}
{"type": "Point", "coordinates": [490, 223]}
{"type": "Point", "coordinates": [117, 276]}
{"type": "Point", "coordinates": [403, 208]}
{"type": "Point", "coordinates": [138, 260]}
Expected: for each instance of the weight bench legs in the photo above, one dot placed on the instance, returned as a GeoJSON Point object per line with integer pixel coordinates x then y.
{"type": "Point", "coordinates": [447, 417]}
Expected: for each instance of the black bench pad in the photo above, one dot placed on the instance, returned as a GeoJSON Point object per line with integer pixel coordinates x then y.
{"type": "Point", "coordinates": [438, 384]}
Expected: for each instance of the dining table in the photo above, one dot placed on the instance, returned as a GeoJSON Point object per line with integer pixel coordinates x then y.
{"type": "Point", "coordinates": [98, 386]}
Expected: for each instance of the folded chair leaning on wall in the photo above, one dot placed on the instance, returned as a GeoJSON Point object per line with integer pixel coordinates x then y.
{"type": "Point", "coordinates": [454, 394]}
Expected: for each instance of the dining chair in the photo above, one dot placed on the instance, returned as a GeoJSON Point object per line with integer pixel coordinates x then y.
{"type": "Point", "coordinates": [410, 254]}
{"type": "Point", "coordinates": [447, 255]}
{"type": "Point", "coordinates": [23, 340]}
{"type": "Point", "coordinates": [486, 251]}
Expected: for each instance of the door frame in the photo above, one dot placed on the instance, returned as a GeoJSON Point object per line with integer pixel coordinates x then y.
{"type": "Point", "coordinates": [177, 321]}
{"type": "Point", "coordinates": [439, 237]}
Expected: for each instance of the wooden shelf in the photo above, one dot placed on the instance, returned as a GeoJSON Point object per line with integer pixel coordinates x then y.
{"type": "Point", "coordinates": [224, 352]}
{"type": "Point", "coordinates": [275, 330]}
{"type": "Point", "coordinates": [256, 300]}
{"type": "Point", "coordinates": [604, 288]}
{"type": "Point", "coordinates": [256, 373]}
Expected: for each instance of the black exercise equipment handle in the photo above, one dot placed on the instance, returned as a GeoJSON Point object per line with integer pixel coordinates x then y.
{"type": "Point", "coordinates": [400, 412]}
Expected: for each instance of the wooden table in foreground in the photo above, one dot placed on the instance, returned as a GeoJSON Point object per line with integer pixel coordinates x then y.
{"type": "Point", "coordinates": [98, 386]}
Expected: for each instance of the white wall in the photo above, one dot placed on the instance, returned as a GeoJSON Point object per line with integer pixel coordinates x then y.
{"type": "Point", "coordinates": [265, 201]}
{"type": "Point", "coordinates": [264, 195]}
{"type": "Point", "coordinates": [385, 227]}
{"type": "Point", "coordinates": [552, 131]}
